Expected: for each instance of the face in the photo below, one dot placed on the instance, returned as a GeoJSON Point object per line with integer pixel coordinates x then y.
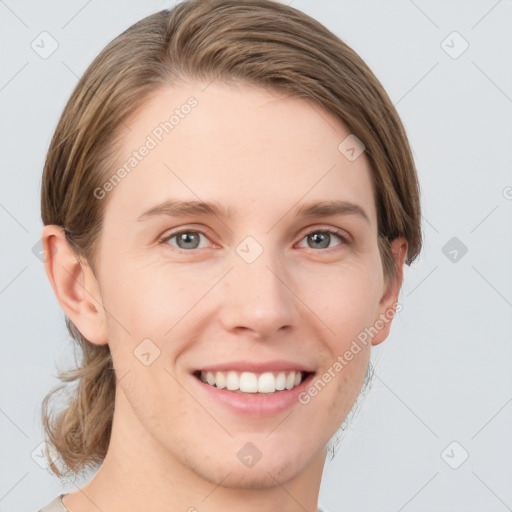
{"type": "Point", "coordinates": [256, 292]}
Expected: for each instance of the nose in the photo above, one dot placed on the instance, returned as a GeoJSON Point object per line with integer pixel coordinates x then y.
{"type": "Point", "coordinates": [258, 298]}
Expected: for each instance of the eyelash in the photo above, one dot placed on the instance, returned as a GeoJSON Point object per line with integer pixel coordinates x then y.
{"type": "Point", "coordinates": [344, 239]}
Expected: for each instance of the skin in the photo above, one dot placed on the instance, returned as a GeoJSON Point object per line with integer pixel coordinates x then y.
{"type": "Point", "coordinates": [263, 154]}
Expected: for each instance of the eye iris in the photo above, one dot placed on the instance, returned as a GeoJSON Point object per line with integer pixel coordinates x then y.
{"type": "Point", "coordinates": [190, 239]}
{"type": "Point", "coordinates": [185, 237]}
{"type": "Point", "coordinates": [323, 238]}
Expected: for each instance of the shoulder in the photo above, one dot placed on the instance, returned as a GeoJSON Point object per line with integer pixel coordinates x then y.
{"type": "Point", "coordinates": [55, 505]}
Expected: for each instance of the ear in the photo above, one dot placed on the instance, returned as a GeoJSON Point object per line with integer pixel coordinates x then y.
{"type": "Point", "coordinates": [389, 300]}
{"type": "Point", "coordinates": [74, 285]}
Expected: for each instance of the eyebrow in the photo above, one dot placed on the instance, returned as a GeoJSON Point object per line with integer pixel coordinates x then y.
{"type": "Point", "coordinates": [178, 208]}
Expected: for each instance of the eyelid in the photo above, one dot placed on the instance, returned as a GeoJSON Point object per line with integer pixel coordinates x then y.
{"type": "Point", "coordinates": [342, 234]}
{"type": "Point", "coordinates": [172, 233]}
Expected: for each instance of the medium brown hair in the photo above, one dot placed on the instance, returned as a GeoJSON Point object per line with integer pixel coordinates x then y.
{"type": "Point", "coordinates": [259, 42]}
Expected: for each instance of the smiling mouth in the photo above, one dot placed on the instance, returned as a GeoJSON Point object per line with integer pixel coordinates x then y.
{"type": "Point", "coordinates": [253, 383]}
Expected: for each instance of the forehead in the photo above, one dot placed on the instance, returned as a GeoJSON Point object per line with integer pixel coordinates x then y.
{"type": "Point", "coordinates": [244, 147]}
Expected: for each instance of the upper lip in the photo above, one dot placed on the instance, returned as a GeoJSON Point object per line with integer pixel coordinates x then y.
{"type": "Point", "coordinates": [257, 367]}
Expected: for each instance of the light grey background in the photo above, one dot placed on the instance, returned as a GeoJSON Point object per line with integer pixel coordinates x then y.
{"type": "Point", "coordinates": [444, 374]}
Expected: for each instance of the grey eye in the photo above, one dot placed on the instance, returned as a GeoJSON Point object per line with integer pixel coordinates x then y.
{"type": "Point", "coordinates": [321, 239]}
{"type": "Point", "coordinates": [185, 240]}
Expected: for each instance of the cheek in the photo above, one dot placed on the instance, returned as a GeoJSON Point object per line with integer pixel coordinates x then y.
{"type": "Point", "coordinates": [145, 299]}
{"type": "Point", "coordinates": [345, 299]}
{"type": "Point", "coordinates": [154, 312]}
{"type": "Point", "coordinates": [158, 401]}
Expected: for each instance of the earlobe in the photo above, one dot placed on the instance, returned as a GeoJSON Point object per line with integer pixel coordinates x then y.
{"type": "Point", "coordinates": [389, 301]}
{"type": "Point", "coordinates": [74, 285]}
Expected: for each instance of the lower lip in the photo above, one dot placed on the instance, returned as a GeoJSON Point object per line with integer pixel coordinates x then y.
{"type": "Point", "coordinates": [256, 404]}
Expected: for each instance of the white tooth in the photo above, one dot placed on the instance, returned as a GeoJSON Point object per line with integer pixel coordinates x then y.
{"type": "Point", "coordinates": [290, 380]}
{"type": "Point", "coordinates": [248, 382]}
{"type": "Point", "coordinates": [266, 383]}
{"type": "Point", "coordinates": [220, 380]}
{"type": "Point", "coordinates": [232, 382]}
{"type": "Point", "coordinates": [280, 381]}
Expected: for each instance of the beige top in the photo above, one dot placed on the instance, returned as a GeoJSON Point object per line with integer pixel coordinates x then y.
{"type": "Point", "coordinates": [56, 505]}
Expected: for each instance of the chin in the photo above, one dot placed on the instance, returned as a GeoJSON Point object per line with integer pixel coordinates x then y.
{"type": "Point", "coordinates": [262, 476]}
{"type": "Point", "coordinates": [276, 465]}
